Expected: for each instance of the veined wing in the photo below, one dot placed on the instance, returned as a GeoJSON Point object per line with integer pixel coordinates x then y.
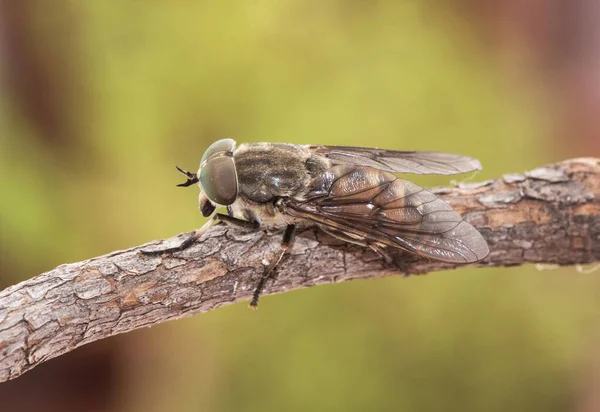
{"type": "Point", "coordinates": [375, 206]}
{"type": "Point", "coordinates": [396, 161]}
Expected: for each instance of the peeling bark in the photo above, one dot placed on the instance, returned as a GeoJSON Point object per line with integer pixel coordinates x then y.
{"type": "Point", "coordinates": [549, 215]}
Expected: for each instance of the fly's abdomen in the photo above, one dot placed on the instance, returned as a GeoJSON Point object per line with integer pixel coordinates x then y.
{"type": "Point", "coordinates": [375, 206]}
{"type": "Point", "coordinates": [351, 183]}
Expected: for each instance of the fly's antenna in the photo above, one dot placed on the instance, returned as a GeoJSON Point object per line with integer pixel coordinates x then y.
{"type": "Point", "coordinates": [192, 177]}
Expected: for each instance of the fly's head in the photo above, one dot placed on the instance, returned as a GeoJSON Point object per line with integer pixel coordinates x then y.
{"type": "Point", "coordinates": [217, 176]}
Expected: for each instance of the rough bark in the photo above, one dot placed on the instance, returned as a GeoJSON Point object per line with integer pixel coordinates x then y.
{"type": "Point", "coordinates": [549, 215]}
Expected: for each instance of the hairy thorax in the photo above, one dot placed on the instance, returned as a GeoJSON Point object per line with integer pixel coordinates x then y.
{"type": "Point", "coordinates": [271, 171]}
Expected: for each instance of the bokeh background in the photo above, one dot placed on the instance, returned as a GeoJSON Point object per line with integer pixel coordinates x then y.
{"type": "Point", "coordinates": [99, 99]}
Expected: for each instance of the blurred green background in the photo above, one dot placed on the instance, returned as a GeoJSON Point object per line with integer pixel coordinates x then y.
{"type": "Point", "coordinates": [99, 99]}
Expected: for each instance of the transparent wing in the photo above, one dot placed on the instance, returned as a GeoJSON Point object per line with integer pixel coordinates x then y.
{"type": "Point", "coordinates": [396, 161]}
{"type": "Point", "coordinates": [378, 207]}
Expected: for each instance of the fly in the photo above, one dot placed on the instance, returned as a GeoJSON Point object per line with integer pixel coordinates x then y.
{"type": "Point", "coordinates": [352, 193]}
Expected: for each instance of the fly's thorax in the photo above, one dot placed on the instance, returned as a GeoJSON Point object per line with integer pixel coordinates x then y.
{"type": "Point", "coordinates": [267, 171]}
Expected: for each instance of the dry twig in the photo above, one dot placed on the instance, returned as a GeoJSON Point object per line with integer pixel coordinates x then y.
{"type": "Point", "coordinates": [549, 215]}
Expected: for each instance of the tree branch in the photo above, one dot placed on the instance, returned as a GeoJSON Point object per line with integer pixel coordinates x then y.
{"type": "Point", "coordinates": [549, 215]}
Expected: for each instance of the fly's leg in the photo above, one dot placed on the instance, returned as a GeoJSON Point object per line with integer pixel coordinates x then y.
{"type": "Point", "coordinates": [235, 222]}
{"type": "Point", "coordinates": [197, 234]}
{"type": "Point", "coordinates": [346, 238]}
{"type": "Point", "coordinates": [381, 252]}
{"type": "Point", "coordinates": [288, 238]}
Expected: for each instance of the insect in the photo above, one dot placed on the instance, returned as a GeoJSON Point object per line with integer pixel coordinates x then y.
{"type": "Point", "coordinates": [352, 193]}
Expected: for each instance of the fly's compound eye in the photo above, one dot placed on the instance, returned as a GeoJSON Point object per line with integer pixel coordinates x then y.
{"type": "Point", "coordinates": [218, 178]}
{"type": "Point", "coordinates": [224, 146]}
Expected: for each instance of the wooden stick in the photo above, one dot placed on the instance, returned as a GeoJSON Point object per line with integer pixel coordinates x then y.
{"type": "Point", "coordinates": [550, 215]}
